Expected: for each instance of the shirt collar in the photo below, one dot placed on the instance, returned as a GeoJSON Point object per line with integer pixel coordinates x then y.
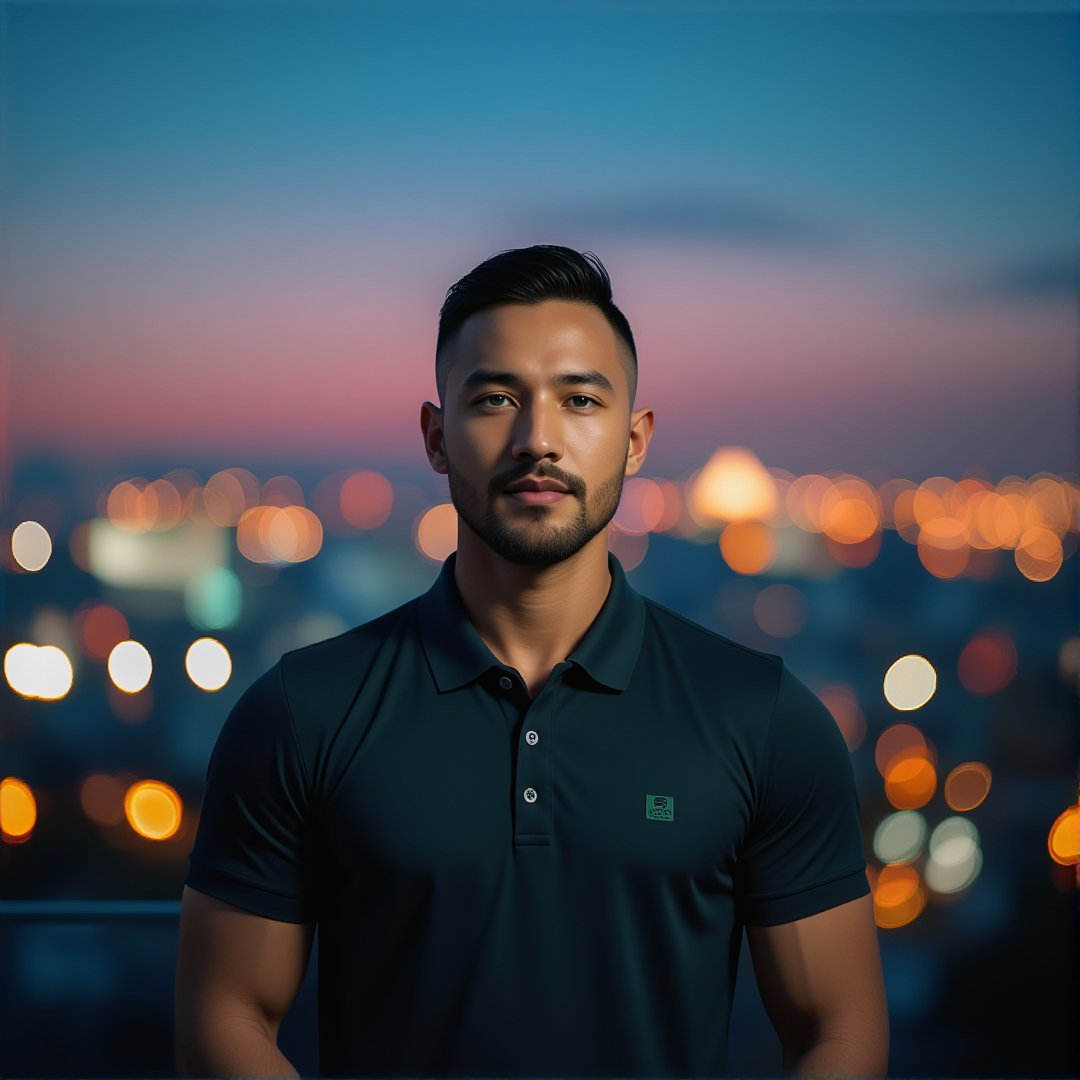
{"type": "Point", "coordinates": [457, 655]}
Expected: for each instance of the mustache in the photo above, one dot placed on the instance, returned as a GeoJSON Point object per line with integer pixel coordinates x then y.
{"type": "Point", "coordinates": [574, 484]}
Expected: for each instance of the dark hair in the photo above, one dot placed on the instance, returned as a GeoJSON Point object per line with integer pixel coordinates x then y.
{"type": "Point", "coordinates": [529, 276]}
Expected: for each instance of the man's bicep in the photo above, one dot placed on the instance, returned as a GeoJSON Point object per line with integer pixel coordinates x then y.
{"type": "Point", "coordinates": [232, 962]}
{"type": "Point", "coordinates": [820, 978]}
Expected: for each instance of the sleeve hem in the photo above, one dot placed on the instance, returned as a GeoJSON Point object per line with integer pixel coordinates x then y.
{"type": "Point", "coordinates": [256, 899]}
{"type": "Point", "coordinates": [770, 911]}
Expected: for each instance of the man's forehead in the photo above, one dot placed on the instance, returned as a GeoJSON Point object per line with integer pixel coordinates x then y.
{"type": "Point", "coordinates": [536, 339]}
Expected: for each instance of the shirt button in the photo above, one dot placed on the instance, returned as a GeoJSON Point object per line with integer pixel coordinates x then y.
{"type": "Point", "coordinates": [530, 794]}
{"type": "Point", "coordinates": [532, 738]}
{"type": "Point", "coordinates": [505, 682]}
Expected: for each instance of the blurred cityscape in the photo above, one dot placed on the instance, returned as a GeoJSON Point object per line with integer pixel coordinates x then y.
{"type": "Point", "coordinates": [934, 618]}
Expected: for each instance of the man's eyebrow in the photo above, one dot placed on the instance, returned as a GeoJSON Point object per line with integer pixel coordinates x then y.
{"type": "Point", "coordinates": [487, 376]}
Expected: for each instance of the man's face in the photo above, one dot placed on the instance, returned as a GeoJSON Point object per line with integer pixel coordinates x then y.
{"type": "Point", "coordinates": [536, 397]}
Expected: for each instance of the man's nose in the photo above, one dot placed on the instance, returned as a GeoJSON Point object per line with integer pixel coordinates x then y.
{"type": "Point", "coordinates": [537, 433]}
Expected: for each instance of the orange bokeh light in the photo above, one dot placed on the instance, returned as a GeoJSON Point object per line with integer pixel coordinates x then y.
{"type": "Point", "coordinates": [18, 810]}
{"type": "Point", "coordinates": [153, 809]}
{"type": "Point", "coordinates": [967, 786]}
{"type": "Point", "coordinates": [748, 547]}
{"type": "Point", "coordinates": [910, 782]}
{"type": "Point", "coordinates": [1064, 838]}
{"type": "Point", "coordinates": [435, 531]}
{"type": "Point", "coordinates": [900, 741]}
{"type": "Point", "coordinates": [942, 547]}
{"type": "Point", "coordinates": [1038, 554]}
{"type": "Point", "coordinates": [899, 896]}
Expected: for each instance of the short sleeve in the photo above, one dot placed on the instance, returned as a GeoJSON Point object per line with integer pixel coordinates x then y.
{"type": "Point", "coordinates": [251, 847]}
{"type": "Point", "coordinates": [803, 852]}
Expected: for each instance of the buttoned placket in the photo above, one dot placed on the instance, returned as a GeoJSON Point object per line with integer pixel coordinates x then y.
{"type": "Point", "coordinates": [532, 804]}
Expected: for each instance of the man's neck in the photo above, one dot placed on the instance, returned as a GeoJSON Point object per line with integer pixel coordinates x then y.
{"type": "Point", "coordinates": [531, 617]}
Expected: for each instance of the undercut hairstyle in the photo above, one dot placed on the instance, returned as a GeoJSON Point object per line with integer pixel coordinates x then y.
{"type": "Point", "coordinates": [530, 276]}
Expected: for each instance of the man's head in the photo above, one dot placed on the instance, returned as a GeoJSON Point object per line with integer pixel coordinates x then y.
{"type": "Point", "coordinates": [536, 392]}
{"type": "Point", "coordinates": [530, 276]}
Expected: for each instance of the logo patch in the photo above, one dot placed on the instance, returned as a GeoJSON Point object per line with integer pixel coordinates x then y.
{"type": "Point", "coordinates": [659, 808]}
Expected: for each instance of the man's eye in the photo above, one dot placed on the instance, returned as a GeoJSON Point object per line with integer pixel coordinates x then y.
{"type": "Point", "coordinates": [581, 401]}
{"type": "Point", "coordinates": [494, 399]}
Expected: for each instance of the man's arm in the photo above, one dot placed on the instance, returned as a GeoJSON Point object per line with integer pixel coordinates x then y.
{"type": "Point", "coordinates": [821, 984]}
{"type": "Point", "coordinates": [237, 975]}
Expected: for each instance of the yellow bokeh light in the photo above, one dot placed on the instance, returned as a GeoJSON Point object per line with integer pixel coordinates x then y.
{"type": "Point", "coordinates": [910, 682]}
{"type": "Point", "coordinates": [748, 547]}
{"type": "Point", "coordinates": [130, 666]}
{"type": "Point", "coordinates": [733, 486]}
{"type": "Point", "coordinates": [153, 809]}
{"type": "Point", "coordinates": [31, 545]}
{"type": "Point", "coordinates": [436, 531]}
{"type": "Point", "coordinates": [38, 671]}
{"type": "Point", "coordinates": [18, 810]}
{"type": "Point", "coordinates": [1064, 838]}
{"type": "Point", "coordinates": [208, 664]}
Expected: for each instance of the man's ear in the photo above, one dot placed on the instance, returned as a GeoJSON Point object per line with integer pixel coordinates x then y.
{"type": "Point", "coordinates": [431, 424]}
{"type": "Point", "coordinates": [641, 428]}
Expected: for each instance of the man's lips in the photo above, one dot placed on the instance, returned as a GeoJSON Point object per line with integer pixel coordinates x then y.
{"type": "Point", "coordinates": [537, 490]}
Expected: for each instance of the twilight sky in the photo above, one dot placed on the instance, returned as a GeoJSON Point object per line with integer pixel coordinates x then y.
{"type": "Point", "coordinates": [844, 237]}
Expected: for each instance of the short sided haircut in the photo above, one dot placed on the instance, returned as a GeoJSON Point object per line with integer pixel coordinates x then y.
{"type": "Point", "coordinates": [529, 276]}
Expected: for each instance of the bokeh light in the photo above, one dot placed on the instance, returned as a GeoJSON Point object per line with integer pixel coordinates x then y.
{"type": "Point", "coordinates": [900, 837]}
{"type": "Point", "coordinates": [130, 666]}
{"type": "Point", "coordinates": [208, 664]}
{"type": "Point", "coordinates": [748, 547]}
{"type": "Point", "coordinates": [436, 531]}
{"type": "Point", "coordinates": [102, 798]}
{"type": "Point", "coordinates": [842, 702]}
{"type": "Point", "coordinates": [987, 663]}
{"type": "Point", "coordinates": [733, 486]}
{"type": "Point", "coordinates": [99, 628]}
{"type": "Point", "coordinates": [153, 809]}
{"type": "Point", "coordinates": [642, 507]}
{"type": "Point", "coordinates": [910, 782]}
{"type": "Point", "coordinates": [955, 858]}
{"type": "Point", "coordinates": [1064, 838]}
{"type": "Point", "coordinates": [31, 545]}
{"type": "Point", "coordinates": [899, 896]}
{"type": "Point", "coordinates": [366, 499]}
{"type": "Point", "coordinates": [967, 786]}
{"type": "Point", "coordinates": [629, 548]}
{"type": "Point", "coordinates": [900, 741]}
{"type": "Point", "coordinates": [910, 682]}
{"type": "Point", "coordinates": [38, 671]}
{"type": "Point", "coordinates": [1038, 554]}
{"type": "Point", "coordinates": [18, 810]}
{"type": "Point", "coordinates": [780, 610]}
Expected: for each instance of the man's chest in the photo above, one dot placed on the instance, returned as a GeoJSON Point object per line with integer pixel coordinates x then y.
{"type": "Point", "coordinates": [617, 792]}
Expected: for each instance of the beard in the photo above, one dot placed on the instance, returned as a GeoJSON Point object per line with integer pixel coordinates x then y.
{"type": "Point", "coordinates": [530, 539]}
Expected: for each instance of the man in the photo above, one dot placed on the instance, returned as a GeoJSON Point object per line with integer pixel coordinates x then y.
{"type": "Point", "coordinates": [530, 811]}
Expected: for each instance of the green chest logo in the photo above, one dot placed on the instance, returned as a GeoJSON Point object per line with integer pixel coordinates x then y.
{"type": "Point", "coordinates": [659, 808]}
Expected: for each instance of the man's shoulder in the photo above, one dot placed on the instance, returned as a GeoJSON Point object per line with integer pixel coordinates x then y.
{"type": "Point", "coordinates": [714, 651]}
{"type": "Point", "coordinates": [335, 666]}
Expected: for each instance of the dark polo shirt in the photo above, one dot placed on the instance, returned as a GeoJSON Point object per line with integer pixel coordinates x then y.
{"type": "Point", "coordinates": [548, 887]}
